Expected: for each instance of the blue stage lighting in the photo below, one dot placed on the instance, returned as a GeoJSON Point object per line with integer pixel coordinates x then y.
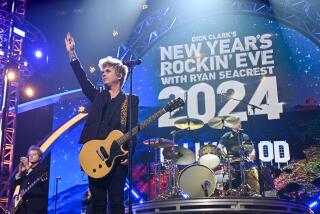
{"type": "Point", "coordinates": [38, 54]}
{"type": "Point", "coordinates": [313, 204]}
{"type": "Point", "coordinates": [19, 32]}
{"type": "Point", "coordinates": [133, 192]}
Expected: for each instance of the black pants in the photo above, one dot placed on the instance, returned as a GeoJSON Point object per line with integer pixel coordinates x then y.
{"type": "Point", "coordinates": [110, 187]}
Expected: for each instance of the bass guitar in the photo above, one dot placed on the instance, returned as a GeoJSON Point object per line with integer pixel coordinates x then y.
{"type": "Point", "coordinates": [18, 199]}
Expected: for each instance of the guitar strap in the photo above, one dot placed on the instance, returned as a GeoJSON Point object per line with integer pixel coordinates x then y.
{"type": "Point", "coordinates": [124, 114]}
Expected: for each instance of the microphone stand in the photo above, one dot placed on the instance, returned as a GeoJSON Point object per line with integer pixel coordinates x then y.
{"type": "Point", "coordinates": [253, 108]}
{"type": "Point", "coordinates": [130, 71]}
{"type": "Point", "coordinates": [56, 195]}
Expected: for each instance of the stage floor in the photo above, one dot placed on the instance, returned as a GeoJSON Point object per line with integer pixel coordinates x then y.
{"type": "Point", "coordinates": [222, 205]}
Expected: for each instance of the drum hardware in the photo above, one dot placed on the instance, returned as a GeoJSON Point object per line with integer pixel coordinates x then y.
{"type": "Point", "coordinates": [222, 122]}
{"type": "Point", "coordinates": [207, 178]}
{"type": "Point", "coordinates": [253, 109]}
{"type": "Point", "coordinates": [156, 144]}
{"type": "Point", "coordinates": [230, 191]}
{"type": "Point", "coordinates": [244, 189]}
{"type": "Point", "coordinates": [205, 187]}
{"type": "Point", "coordinates": [178, 156]}
{"type": "Point", "coordinates": [189, 124]}
{"type": "Point", "coordinates": [241, 148]}
{"type": "Point", "coordinates": [246, 147]}
{"type": "Point", "coordinates": [222, 174]}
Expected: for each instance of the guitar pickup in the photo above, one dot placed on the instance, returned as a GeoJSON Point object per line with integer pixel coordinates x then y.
{"type": "Point", "coordinates": [102, 153]}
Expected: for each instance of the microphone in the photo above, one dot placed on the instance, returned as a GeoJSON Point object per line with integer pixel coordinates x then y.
{"type": "Point", "coordinates": [205, 187]}
{"type": "Point", "coordinates": [59, 178]}
{"type": "Point", "coordinates": [131, 63]}
{"type": "Point", "coordinates": [173, 132]}
{"type": "Point", "coordinates": [221, 96]}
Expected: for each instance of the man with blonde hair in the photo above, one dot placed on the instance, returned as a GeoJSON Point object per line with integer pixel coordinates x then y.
{"type": "Point", "coordinates": [117, 64]}
{"type": "Point", "coordinates": [105, 116]}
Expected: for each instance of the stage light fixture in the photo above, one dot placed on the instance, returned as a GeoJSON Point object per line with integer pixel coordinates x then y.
{"type": "Point", "coordinates": [38, 54]}
{"type": "Point", "coordinates": [144, 7]}
{"type": "Point", "coordinates": [11, 75]}
{"type": "Point", "coordinates": [313, 204]}
{"type": "Point", "coordinates": [115, 33]}
{"type": "Point", "coordinates": [92, 69]}
{"type": "Point", "coordinates": [81, 109]}
{"type": "Point", "coordinates": [29, 91]}
{"type": "Point", "coordinates": [19, 32]}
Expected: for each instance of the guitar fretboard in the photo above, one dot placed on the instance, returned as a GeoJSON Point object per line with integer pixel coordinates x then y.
{"type": "Point", "coordinates": [144, 124]}
{"type": "Point", "coordinates": [41, 178]}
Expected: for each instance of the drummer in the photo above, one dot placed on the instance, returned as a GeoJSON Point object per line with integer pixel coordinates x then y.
{"type": "Point", "coordinates": [231, 145]}
{"type": "Point", "coordinates": [230, 140]}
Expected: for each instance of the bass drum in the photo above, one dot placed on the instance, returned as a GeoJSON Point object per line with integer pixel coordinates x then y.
{"type": "Point", "coordinates": [197, 181]}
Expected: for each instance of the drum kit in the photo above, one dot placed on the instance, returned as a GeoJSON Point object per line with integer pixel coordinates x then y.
{"type": "Point", "coordinates": [212, 175]}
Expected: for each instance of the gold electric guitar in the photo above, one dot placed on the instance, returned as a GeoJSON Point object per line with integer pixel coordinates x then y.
{"type": "Point", "coordinates": [97, 157]}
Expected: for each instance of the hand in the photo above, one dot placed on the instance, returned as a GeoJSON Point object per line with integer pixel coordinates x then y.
{"type": "Point", "coordinates": [70, 44]}
{"type": "Point", "coordinates": [252, 155]}
{"type": "Point", "coordinates": [24, 161]}
{"type": "Point", "coordinates": [24, 164]}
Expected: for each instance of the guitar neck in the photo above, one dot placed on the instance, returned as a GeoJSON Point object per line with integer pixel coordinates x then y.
{"type": "Point", "coordinates": [143, 125]}
{"type": "Point", "coordinates": [32, 184]}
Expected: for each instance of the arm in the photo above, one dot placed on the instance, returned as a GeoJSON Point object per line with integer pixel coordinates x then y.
{"type": "Point", "coordinates": [87, 87]}
{"type": "Point", "coordinates": [18, 178]}
{"type": "Point", "coordinates": [252, 155]}
{"type": "Point", "coordinates": [22, 170]}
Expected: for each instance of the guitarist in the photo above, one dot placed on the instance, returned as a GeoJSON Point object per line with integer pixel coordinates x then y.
{"type": "Point", "coordinates": [34, 201]}
{"type": "Point", "coordinates": [105, 116]}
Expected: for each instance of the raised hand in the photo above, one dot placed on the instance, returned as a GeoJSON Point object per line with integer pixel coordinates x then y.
{"type": "Point", "coordinates": [70, 44]}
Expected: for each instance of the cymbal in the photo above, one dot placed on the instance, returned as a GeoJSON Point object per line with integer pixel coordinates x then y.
{"type": "Point", "coordinates": [223, 121]}
{"type": "Point", "coordinates": [158, 143]}
{"type": "Point", "coordinates": [182, 156]}
{"type": "Point", "coordinates": [189, 123]}
{"type": "Point", "coordinates": [247, 147]}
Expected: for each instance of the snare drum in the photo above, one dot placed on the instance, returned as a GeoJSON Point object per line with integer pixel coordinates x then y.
{"type": "Point", "coordinates": [209, 156]}
{"type": "Point", "coordinates": [197, 181]}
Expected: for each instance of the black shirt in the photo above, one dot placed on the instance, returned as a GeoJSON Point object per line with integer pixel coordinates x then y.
{"type": "Point", "coordinates": [112, 110]}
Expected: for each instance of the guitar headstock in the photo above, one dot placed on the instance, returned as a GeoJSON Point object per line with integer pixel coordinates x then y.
{"type": "Point", "coordinates": [174, 104]}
